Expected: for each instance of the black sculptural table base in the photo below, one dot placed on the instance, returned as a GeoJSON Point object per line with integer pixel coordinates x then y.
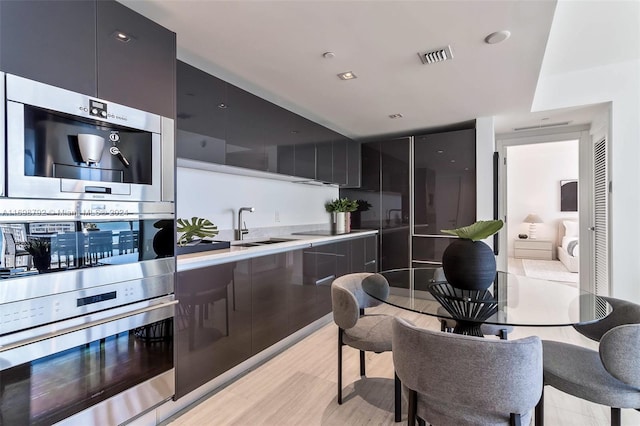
{"type": "Point", "coordinates": [469, 308]}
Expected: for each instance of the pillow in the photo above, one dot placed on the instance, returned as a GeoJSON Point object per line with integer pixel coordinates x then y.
{"type": "Point", "coordinates": [571, 228]}
{"type": "Point", "coordinates": [566, 241]}
{"type": "Point", "coordinates": [573, 248]}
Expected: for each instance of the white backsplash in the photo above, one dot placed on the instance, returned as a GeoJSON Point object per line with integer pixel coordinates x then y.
{"type": "Point", "coordinates": [280, 207]}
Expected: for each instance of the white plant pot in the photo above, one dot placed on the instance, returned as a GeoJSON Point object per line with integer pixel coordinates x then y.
{"type": "Point", "coordinates": [341, 222]}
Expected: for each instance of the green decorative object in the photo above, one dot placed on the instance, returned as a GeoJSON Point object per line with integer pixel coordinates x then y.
{"type": "Point", "coordinates": [196, 228]}
{"type": "Point", "coordinates": [476, 231]}
{"type": "Point", "coordinates": [341, 205]}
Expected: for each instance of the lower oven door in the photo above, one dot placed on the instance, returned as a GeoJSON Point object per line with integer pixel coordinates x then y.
{"type": "Point", "coordinates": [83, 367]}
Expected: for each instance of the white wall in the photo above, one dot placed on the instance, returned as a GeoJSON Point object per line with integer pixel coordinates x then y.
{"type": "Point", "coordinates": [534, 173]}
{"type": "Point", "coordinates": [620, 84]}
{"type": "Point", "coordinates": [218, 196]}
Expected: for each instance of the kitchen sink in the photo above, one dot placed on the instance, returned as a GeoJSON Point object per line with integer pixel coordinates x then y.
{"type": "Point", "coordinates": [263, 242]}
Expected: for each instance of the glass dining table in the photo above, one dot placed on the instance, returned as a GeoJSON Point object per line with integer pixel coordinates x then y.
{"type": "Point", "coordinates": [511, 300]}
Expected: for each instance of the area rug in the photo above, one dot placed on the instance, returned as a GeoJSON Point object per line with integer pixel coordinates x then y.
{"type": "Point", "coordinates": [552, 270]}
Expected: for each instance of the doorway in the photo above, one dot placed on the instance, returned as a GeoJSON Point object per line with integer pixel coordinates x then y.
{"type": "Point", "coordinates": [537, 172]}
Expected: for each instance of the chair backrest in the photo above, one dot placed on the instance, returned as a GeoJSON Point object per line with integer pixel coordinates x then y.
{"type": "Point", "coordinates": [624, 312]}
{"type": "Point", "coordinates": [619, 349]}
{"type": "Point", "coordinates": [348, 297]}
{"type": "Point", "coordinates": [497, 376]}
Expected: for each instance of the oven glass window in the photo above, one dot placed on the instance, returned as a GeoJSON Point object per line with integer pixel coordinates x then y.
{"type": "Point", "coordinates": [52, 388]}
{"type": "Point", "coordinates": [30, 248]}
{"type": "Point", "coordinates": [61, 146]}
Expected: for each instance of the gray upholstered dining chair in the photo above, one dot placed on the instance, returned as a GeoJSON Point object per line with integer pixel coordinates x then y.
{"type": "Point", "coordinates": [463, 380]}
{"type": "Point", "coordinates": [359, 330]}
{"type": "Point", "coordinates": [608, 376]}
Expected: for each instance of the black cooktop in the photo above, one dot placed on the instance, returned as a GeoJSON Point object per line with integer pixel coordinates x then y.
{"type": "Point", "coordinates": [324, 232]}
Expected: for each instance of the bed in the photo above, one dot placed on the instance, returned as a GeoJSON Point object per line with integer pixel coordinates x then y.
{"type": "Point", "coordinates": [568, 250]}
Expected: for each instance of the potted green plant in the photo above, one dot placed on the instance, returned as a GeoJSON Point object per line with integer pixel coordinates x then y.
{"type": "Point", "coordinates": [340, 210]}
{"type": "Point", "coordinates": [469, 263]}
{"type": "Point", "coordinates": [40, 251]}
{"type": "Point", "coordinates": [194, 230]}
{"type": "Point", "coordinates": [195, 235]}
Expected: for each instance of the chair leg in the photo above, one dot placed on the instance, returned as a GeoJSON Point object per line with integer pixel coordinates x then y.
{"type": "Point", "coordinates": [503, 334]}
{"type": "Point", "coordinates": [443, 327]}
{"type": "Point", "coordinates": [515, 420]}
{"type": "Point", "coordinates": [413, 408]}
{"type": "Point", "coordinates": [421, 422]}
{"type": "Point", "coordinates": [362, 368]}
{"type": "Point", "coordinates": [397, 402]}
{"type": "Point", "coordinates": [616, 416]}
{"type": "Point", "coordinates": [539, 413]}
{"type": "Point", "coordinates": [340, 365]}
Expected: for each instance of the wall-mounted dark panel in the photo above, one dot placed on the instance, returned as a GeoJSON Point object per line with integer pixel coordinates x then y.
{"type": "Point", "coordinates": [140, 73]}
{"type": "Point", "coordinates": [53, 42]}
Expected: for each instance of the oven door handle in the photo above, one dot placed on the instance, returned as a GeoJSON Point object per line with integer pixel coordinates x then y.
{"type": "Point", "coordinates": [77, 335]}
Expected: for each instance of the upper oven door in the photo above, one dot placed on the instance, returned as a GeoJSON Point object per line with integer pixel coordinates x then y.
{"type": "Point", "coordinates": [68, 146]}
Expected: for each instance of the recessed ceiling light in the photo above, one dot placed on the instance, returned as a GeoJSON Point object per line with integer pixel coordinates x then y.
{"type": "Point", "coordinates": [122, 36]}
{"type": "Point", "coordinates": [453, 161]}
{"type": "Point", "coordinates": [328, 55]}
{"type": "Point", "coordinates": [395, 115]}
{"type": "Point", "coordinates": [497, 37]}
{"type": "Point", "coordinates": [222, 105]}
{"type": "Point", "coordinates": [439, 151]}
{"type": "Point", "coordinates": [349, 75]}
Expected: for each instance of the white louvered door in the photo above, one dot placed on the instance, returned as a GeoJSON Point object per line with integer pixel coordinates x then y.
{"type": "Point", "coordinates": [600, 218]}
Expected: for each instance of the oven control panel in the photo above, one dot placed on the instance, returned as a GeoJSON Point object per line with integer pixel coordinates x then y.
{"type": "Point", "coordinates": [29, 313]}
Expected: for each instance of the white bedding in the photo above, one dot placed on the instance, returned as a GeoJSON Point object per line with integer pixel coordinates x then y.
{"type": "Point", "coordinates": [568, 233]}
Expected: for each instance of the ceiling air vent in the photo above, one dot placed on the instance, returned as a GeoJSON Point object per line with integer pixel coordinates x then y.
{"type": "Point", "coordinates": [542, 126]}
{"type": "Point", "coordinates": [437, 55]}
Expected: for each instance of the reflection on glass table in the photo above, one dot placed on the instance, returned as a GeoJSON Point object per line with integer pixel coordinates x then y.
{"type": "Point", "coordinates": [512, 300]}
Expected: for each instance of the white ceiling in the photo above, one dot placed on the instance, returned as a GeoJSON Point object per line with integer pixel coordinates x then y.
{"type": "Point", "coordinates": [275, 50]}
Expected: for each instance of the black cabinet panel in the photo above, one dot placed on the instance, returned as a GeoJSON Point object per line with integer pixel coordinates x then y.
{"type": "Point", "coordinates": [445, 181]}
{"type": "Point", "coordinates": [340, 162]}
{"type": "Point", "coordinates": [324, 158]}
{"type": "Point", "coordinates": [305, 161]}
{"type": "Point", "coordinates": [213, 323]}
{"type": "Point", "coordinates": [354, 165]}
{"type": "Point", "coordinates": [140, 73]}
{"type": "Point", "coordinates": [271, 277]}
{"type": "Point", "coordinates": [50, 41]}
{"type": "Point", "coordinates": [202, 115]}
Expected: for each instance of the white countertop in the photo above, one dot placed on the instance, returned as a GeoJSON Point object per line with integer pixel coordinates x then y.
{"type": "Point", "coordinates": [236, 253]}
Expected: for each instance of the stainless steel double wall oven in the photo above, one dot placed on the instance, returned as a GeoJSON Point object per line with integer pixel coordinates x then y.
{"type": "Point", "coordinates": [87, 266]}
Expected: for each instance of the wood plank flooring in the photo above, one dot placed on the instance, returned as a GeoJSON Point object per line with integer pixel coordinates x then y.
{"type": "Point", "coordinates": [298, 387]}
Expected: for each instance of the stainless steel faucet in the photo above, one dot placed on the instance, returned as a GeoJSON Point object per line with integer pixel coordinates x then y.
{"type": "Point", "coordinates": [242, 227]}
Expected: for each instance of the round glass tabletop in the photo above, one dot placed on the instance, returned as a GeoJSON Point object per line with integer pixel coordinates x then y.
{"type": "Point", "coordinates": [511, 299]}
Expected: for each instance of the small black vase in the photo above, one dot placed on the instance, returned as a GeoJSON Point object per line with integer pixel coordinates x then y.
{"type": "Point", "coordinates": [469, 265]}
{"type": "Point", "coordinates": [42, 263]}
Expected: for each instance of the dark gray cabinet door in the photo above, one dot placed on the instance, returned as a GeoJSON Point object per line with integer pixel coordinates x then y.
{"type": "Point", "coordinates": [324, 161]}
{"type": "Point", "coordinates": [50, 41]}
{"type": "Point", "coordinates": [354, 164]}
{"type": "Point", "coordinates": [445, 189]}
{"type": "Point", "coordinates": [140, 73]}
{"type": "Point", "coordinates": [202, 115]}
{"type": "Point", "coordinates": [272, 278]}
{"type": "Point", "coordinates": [305, 160]}
{"type": "Point", "coordinates": [339, 158]}
{"type": "Point", "coordinates": [212, 323]}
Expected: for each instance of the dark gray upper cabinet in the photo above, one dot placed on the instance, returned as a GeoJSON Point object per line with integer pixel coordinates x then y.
{"type": "Point", "coordinates": [53, 42]}
{"type": "Point", "coordinates": [202, 115]}
{"type": "Point", "coordinates": [140, 73]}
{"type": "Point", "coordinates": [72, 44]}
{"type": "Point", "coordinates": [223, 124]}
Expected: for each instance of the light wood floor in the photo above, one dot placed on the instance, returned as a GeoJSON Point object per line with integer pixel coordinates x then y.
{"type": "Point", "coordinates": [298, 387]}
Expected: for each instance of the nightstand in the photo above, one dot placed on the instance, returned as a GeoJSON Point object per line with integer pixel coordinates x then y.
{"type": "Point", "coordinates": [533, 249]}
